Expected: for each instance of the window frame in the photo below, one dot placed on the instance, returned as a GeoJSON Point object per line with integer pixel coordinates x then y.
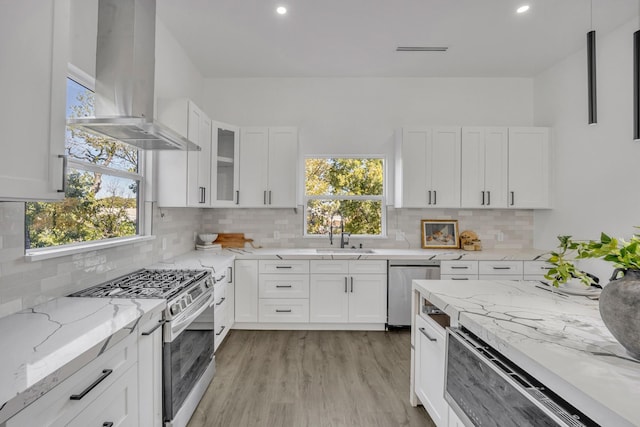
{"type": "Point", "coordinates": [381, 198]}
{"type": "Point", "coordinates": [142, 231]}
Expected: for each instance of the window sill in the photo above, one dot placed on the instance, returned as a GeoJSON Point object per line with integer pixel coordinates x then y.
{"type": "Point", "coordinates": [60, 251]}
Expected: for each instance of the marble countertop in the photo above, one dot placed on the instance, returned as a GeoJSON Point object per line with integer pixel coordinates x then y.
{"type": "Point", "coordinates": [48, 343]}
{"type": "Point", "coordinates": [560, 340]}
{"type": "Point", "coordinates": [216, 262]}
{"type": "Point", "coordinates": [409, 254]}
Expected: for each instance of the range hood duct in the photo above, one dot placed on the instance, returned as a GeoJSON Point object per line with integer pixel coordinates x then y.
{"type": "Point", "coordinates": [125, 77]}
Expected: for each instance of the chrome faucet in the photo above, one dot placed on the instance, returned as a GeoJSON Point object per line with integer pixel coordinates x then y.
{"type": "Point", "coordinates": [344, 237]}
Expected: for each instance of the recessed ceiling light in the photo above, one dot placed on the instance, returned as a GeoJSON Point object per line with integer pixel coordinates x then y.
{"type": "Point", "coordinates": [522, 9]}
{"type": "Point", "coordinates": [281, 10]}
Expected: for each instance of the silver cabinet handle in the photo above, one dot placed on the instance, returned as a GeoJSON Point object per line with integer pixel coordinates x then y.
{"type": "Point", "coordinates": [230, 275]}
{"type": "Point", "coordinates": [220, 331]}
{"type": "Point", "coordinates": [203, 192]}
{"type": "Point", "coordinates": [502, 268]}
{"type": "Point", "coordinates": [284, 266]}
{"type": "Point", "coordinates": [269, 196]}
{"type": "Point", "coordinates": [284, 286]}
{"type": "Point", "coordinates": [488, 198]}
{"type": "Point", "coordinates": [283, 311]}
{"type": "Point", "coordinates": [427, 335]}
{"type": "Point", "coordinates": [105, 374]}
{"type": "Point", "coordinates": [221, 301]}
{"type": "Point", "coordinates": [482, 198]}
{"type": "Point", "coordinates": [435, 197]}
{"type": "Point", "coordinates": [264, 197]}
{"type": "Point", "coordinates": [429, 197]}
{"type": "Point", "coordinates": [65, 163]}
{"type": "Point", "coordinates": [345, 285]}
{"type": "Point", "coordinates": [463, 267]}
{"type": "Point", "coordinates": [351, 284]}
{"type": "Point", "coordinates": [152, 330]}
{"type": "Point", "coordinates": [459, 278]}
{"type": "Point", "coordinates": [237, 197]}
{"type": "Point", "coordinates": [513, 198]}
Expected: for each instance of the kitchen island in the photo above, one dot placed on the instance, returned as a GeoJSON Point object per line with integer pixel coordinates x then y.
{"type": "Point", "coordinates": [559, 340]}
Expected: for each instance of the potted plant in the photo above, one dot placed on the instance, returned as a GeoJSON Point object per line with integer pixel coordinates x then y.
{"type": "Point", "coordinates": [620, 299]}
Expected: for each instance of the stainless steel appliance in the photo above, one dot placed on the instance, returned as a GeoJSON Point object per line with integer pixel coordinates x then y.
{"type": "Point", "coordinates": [484, 388]}
{"type": "Point", "coordinates": [399, 277]}
{"type": "Point", "coordinates": [188, 336]}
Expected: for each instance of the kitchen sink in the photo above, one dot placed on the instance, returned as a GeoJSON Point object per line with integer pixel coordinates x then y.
{"type": "Point", "coordinates": [344, 251]}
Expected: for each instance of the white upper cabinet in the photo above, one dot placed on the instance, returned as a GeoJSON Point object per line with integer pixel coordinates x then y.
{"type": "Point", "coordinates": [184, 177]}
{"type": "Point", "coordinates": [485, 169]}
{"type": "Point", "coordinates": [225, 164]}
{"type": "Point", "coordinates": [430, 167]}
{"type": "Point", "coordinates": [268, 167]}
{"type": "Point", "coordinates": [34, 38]}
{"type": "Point", "coordinates": [529, 183]}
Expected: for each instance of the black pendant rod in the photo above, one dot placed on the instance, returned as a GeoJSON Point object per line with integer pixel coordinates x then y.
{"type": "Point", "coordinates": [636, 85]}
{"type": "Point", "coordinates": [591, 77]}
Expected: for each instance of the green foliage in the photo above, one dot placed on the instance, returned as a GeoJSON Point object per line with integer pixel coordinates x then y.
{"type": "Point", "coordinates": [89, 211]}
{"type": "Point", "coordinates": [348, 182]}
{"type": "Point", "coordinates": [622, 254]}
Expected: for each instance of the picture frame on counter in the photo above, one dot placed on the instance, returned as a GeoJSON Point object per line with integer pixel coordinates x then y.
{"type": "Point", "coordinates": [440, 234]}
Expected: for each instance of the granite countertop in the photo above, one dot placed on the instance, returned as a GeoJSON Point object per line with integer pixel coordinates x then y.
{"type": "Point", "coordinates": [409, 254]}
{"type": "Point", "coordinates": [50, 342]}
{"type": "Point", "coordinates": [560, 340]}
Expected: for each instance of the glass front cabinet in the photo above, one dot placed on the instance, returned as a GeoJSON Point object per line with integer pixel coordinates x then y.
{"type": "Point", "coordinates": [225, 175]}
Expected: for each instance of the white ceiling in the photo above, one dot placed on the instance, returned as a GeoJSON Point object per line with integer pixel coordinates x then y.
{"type": "Point", "coordinates": [357, 38]}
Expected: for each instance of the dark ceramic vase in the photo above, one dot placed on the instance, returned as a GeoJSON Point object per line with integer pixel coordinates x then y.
{"type": "Point", "coordinates": [620, 309]}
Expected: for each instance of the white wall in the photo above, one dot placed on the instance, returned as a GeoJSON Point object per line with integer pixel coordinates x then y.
{"type": "Point", "coordinates": [595, 167]}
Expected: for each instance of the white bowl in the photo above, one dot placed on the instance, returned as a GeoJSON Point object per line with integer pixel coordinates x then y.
{"type": "Point", "coordinates": [208, 238]}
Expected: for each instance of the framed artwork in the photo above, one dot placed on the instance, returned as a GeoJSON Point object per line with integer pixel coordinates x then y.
{"type": "Point", "coordinates": [440, 234]}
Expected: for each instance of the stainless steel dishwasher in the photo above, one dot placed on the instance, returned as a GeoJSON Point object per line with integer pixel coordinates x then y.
{"type": "Point", "coordinates": [399, 277]}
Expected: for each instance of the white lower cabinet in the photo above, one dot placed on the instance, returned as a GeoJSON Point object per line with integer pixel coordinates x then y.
{"type": "Point", "coordinates": [429, 369]}
{"type": "Point", "coordinates": [454, 421]}
{"type": "Point", "coordinates": [78, 398]}
{"type": "Point", "coordinates": [246, 290]}
{"type": "Point", "coordinates": [345, 297]}
{"type": "Point", "coordinates": [149, 372]}
{"type": "Point", "coordinates": [285, 310]}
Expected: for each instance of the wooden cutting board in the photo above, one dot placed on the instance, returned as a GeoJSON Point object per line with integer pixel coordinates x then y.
{"type": "Point", "coordinates": [233, 240]}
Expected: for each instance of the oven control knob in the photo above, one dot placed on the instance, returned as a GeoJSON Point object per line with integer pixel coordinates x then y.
{"type": "Point", "coordinates": [189, 299]}
{"type": "Point", "coordinates": [183, 304]}
{"type": "Point", "coordinates": [175, 309]}
{"type": "Point", "coordinates": [208, 283]}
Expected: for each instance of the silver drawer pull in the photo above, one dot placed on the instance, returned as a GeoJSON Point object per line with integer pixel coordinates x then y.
{"type": "Point", "coordinates": [502, 268]}
{"type": "Point", "coordinates": [160, 323]}
{"type": "Point", "coordinates": [220, 331]}
{"type": "Point", "coordinates": [284, 266]}
{"type": "Point", "coordinates": [460, 267]}
{"type": "Point", "coordinates": [459, 278]}
{"type": "Point", "coordinates": [284, 286]}
{"type": "Point", "coordinates": [221, 300]}
{"type": "Point", "coordinates": [283, 311]}
{"type": "Point", "coordinates": [427, 335]}
{"type": "Point", "coordinates": [546, 268]}
{"type": "Point", "coordinates": [105, 374]}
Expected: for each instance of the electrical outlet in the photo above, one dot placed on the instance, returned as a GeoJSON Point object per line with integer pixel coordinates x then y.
{"type": "Point", "coordinates": [500, 236]}
{"type": "Point", "coordinates": [399, 235]}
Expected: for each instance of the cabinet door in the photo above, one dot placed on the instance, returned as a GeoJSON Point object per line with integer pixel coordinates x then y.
{"type": "Point", "coordinates": [204, 162]}
{"type": "Point", "coordinates": [254, 159]}
{"type": "Point", "coordinates": [150, 372]}
{"type": "Point", "coordinates": [496, 167]}
{"type": "Point", "coordinates": [473, 168]}
{"type": "Point", "coordinates": [225, 164]}
{"type": "Point", "coordinates": [444, 165]}
{"type": "Point", "coordinates": [414, 168]}
{"type": "Point", "coordinates": [328, 298]}
{"type": "Point", "coordinates": [429, 382]}
{"type": "Point", "coordinates": [283, 167]}
{"type": "Point", "coordinates": [368, 298]}
{"type": "Point", "coordinates": [246, 290]}
{"type": "Point", "coordinates": [195, 164]}
{"type": "Point", "coordinates": [528, 167]}
{"type": "Point", "coordinates": [33, 87]}
{"type": "Point", "coordinates": [118, 405]}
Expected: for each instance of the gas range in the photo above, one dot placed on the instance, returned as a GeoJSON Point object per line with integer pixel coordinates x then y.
{"type": "Point", "coordinates": [181, 288]}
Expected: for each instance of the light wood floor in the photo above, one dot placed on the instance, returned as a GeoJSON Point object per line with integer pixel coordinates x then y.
{"type": "Point", "coordinates": [312, 379]}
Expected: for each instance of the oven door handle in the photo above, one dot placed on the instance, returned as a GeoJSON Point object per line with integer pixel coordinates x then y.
{"type": "Point", "coordinates": [187, 317]}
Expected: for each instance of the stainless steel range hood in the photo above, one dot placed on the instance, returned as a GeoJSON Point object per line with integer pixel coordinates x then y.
{"type": "Point", "coordinates": [125, 76]}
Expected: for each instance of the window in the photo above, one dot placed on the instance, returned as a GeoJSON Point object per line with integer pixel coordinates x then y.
{"type": "Point", "coordinates": [103, 187]}
{"type": "Point", "coordinates": [348, 191]}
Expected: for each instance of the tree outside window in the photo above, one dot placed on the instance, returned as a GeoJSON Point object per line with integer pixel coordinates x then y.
{"type": "Point", "coordinates": [347, 191]}
{"type": "Point", "coordinates": [103, 184]}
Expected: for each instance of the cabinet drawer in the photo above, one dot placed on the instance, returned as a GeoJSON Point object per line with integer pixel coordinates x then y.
{"type": "Point", "coordinates": [283, 310]}
{"type": "Point", "coordinates": [536, 267]}
{"type": "Point", "coordinates": [368, 267]}
{"type": "Point", "coordinates": [283, 266]}
{"type": "Point", "coordinates": [57, 408]}
{"type": "Point", "coordinates": [283, 286]}
{"type": "Point", "coordinates": [339, 266]}
{"type": "Point", "coordinates": [501, 277]}
{"type": "Point", "coordinates": [459, 276]}
{"type": "Point", "coordinates": [219, 293]}
{"type": "Point", "coordinates": [459, 267]}
{"type": "Point", "coordinates": [221, 328]}
{"type": "Point", "coordinates": [501, 267]}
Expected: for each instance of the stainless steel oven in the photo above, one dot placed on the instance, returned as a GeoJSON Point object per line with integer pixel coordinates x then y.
{"type": "Point", "coordinates": [486, 389]}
